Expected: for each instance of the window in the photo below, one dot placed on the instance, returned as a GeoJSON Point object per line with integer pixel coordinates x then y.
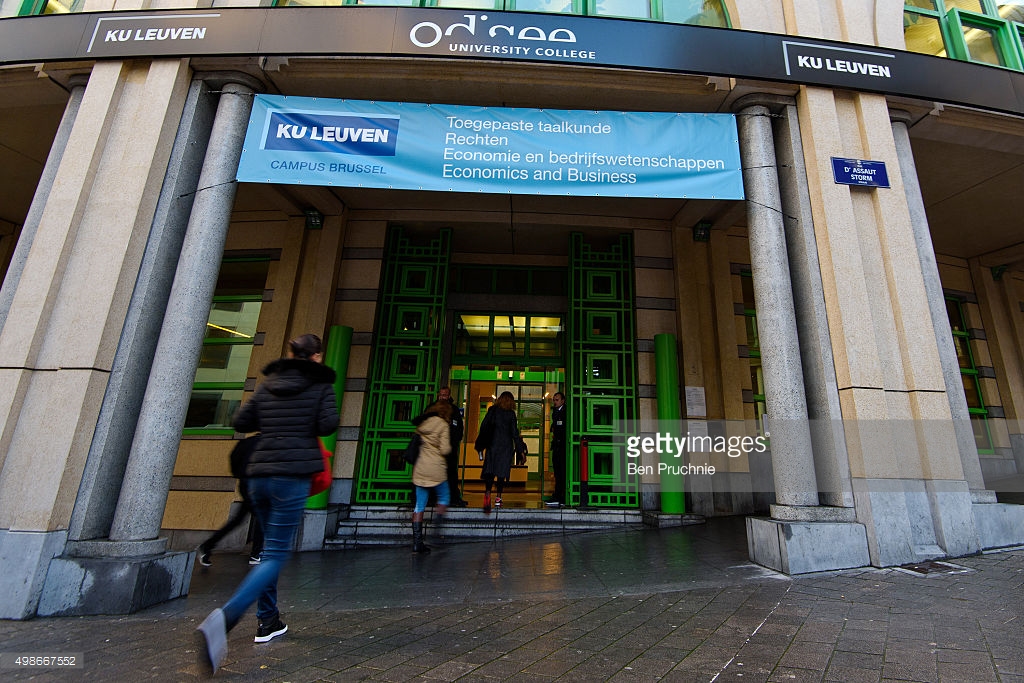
{"type": "Point", "coordinates": [969, 375]}
{"type": "Point", "coordinates": [20, 8]}
{"type": "Point", "coordinates": [753, 348]}
{"type": "Point", "coordinates": [230, 335]}
{"type": "Point", "coordinates": [923, 33]}
{"type": "Point", "coordinates": [553, 6]}
{"type": "Point", "coordinates": [697, 12]}
{"type": "Point", "coordinates": [636, 9]}
{"type": "Point", "coordinates": [981, 31]}
{"type": "Point", "coordinates": [527, 281]}
{"type": "Point", "coordinates": [512, 337]}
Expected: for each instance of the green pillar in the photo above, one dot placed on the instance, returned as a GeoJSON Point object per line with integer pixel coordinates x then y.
{"type": "Point", "coordinates": [666, 366]}
{"type": "Point", "coordinates": [339, 342]}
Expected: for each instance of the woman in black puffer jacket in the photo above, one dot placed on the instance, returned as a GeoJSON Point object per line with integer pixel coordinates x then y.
{"type": "Point", "coordinates": [293, 406]}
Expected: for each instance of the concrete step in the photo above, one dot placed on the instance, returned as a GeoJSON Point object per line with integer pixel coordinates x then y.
{"type": "Point", "coordinates": [366, 525]}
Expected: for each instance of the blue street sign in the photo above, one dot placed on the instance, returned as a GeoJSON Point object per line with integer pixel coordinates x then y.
{"type": "Point", "coordinates": [859, 172]}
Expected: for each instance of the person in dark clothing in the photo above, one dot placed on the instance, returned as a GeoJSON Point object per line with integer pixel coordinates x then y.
{"type": "Point", "coordinates": [293, 406]}
{"type": "Point", "coordinates": [498, 444]}
{"type": "Point", "coordinates": [558, 423]}
{"type": "Point", "coordinates": [240, 455]}
{"type": "Point", "coordinates": [458, 429]}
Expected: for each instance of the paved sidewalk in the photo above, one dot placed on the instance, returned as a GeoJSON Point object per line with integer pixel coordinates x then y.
{"type": "Point", "coordinates": [669, 605]}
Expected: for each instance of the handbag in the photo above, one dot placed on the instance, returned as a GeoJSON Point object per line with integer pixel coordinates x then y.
{"type": "Point", "coordinates": [321, 481]}
{"type": "Point", "coordinates": [412, 451]}
{"type": "Point", "coordinates": [521, 453]}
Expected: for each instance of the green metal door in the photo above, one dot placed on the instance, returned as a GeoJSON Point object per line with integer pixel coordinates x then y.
{"type": "Point", "coordinates": [406, 363]}
{"type": "Point", "coordinates": [602, 372]}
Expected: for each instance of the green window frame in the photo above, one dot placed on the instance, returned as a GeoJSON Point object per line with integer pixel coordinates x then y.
{"type": "Point", "coordinates": [969, 375]}
{"type": "Point", "coordinates": [1005, 51]}
{"type": "Point", "coordinates": [753, 348]}
{"type": "Point", "coordinates": [227, 349]}
{"type": "Point", "coordinates": [34, 7]}
{"type": "Point", "coordinates": [711, 12]}
{"type": "Point", "coordinates": [505, 279]}
{"type": "Point", "coordinates": [959, 23]}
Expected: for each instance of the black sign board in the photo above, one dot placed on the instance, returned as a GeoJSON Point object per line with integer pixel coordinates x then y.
{"type": "Point", "coordinates": [508, 36]}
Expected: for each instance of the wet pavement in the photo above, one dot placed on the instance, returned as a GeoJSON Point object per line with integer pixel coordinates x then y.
{"type": "Point", "coordinates": [681, 604]}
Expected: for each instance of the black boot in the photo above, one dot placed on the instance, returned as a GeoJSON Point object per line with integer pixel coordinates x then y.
{"type": "Point", "coordinates": [417, 538]}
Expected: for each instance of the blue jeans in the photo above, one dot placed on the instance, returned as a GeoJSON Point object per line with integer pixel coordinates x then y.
{"type": "Point", "coordinates": [423, 493]}
{"type": "Point", "coordinates": [278, 503]}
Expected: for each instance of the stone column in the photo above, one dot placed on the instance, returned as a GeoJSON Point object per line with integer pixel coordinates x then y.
{"type": "Point", "coordinates": [112, 440]}
{"type": "Point", "coordinates": [937, 307]}
{"type": "Point", "coordinates": [792, 459]}
{"type": "Point", "coordinates": [801, 535]}
{"type": "Point", "coordinates": [831, 459]}
{"type": "Point", "coordinates": [67, 312]}
{"type": "Point", "coordinates": [35, 210]}
{"type": "Point", "coordinates": [140, 507]}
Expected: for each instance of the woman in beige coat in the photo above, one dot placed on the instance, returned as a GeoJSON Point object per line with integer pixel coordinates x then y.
{"type": "Point", "coordinates": [431, 468]}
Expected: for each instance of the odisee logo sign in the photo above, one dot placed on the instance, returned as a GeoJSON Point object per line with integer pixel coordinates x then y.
{"type": "Point", "coordinates": [485, 37]}
{"type": "Point", "coordinates": [448, 148]}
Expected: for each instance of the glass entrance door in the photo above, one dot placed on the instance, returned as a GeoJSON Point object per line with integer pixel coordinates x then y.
{"type": "Point", "coordinates": [474, 389]}
{"type": "Point", "coordinates": [522, 354]}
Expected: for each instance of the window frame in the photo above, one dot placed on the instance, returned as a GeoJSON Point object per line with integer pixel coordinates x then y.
{"type": "Point", "coordinates": [527, 358]}
{"type": "Point", "coordinates": [978, 413]}
{"type": "Point", "coordinates": [227, 341]}
{"type": "Point", "coordinates": [754, 352]}
{"type": "Point", "coordinates": [1007, 46]}
{"type": "Point", "coordinates": [580, 8]}
{"type": "Point", "coordinates": [1009, 35]}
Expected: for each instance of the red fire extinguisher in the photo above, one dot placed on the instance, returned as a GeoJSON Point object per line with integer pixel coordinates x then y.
{"type": "Point", "coordinates": [584, 472]}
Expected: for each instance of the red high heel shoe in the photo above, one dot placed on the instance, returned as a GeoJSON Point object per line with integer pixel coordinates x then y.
{"type": "Point", "coordinates": [487, 503]}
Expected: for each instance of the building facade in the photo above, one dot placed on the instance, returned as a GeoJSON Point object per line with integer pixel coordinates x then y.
{"type": "Point", "coordinates": [850, 322]}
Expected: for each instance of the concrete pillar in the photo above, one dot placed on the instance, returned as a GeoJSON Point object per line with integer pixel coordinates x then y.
{"type": "Point", "coordinates": [111, 443]}
{"type": "Point", "coordinates": [68, 307]}
{"type": "Point", "coordinates": [937, 307]}
{"type": "Point", "coordinates": [151, 462]}
{"type": "Point", "coordinates": [35, 210]}
{"type": "Point", "coordinates": [792, 460]}
{"type": "Point", "coordinates": [831, 460]}
{"type": "Point", "coordinates": [909, 488]}
{"type": "Point", "coordinates": [801, 535]}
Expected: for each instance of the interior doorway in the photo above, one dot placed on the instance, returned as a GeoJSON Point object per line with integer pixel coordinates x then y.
{"type": "Point", "coordinates": [474, 390]}
{"type": "Point", "coordinates": [521, 354]}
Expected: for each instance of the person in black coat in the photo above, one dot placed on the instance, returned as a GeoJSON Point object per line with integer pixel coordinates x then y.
{"type": "Point", "coordinates": [499, 445]}
{"type": "Point", "coordinates": [559, 420]}
{"type": "Point", "coordinates": [455, 433]}
{"type": "Point", "coordinates": [293, 406]}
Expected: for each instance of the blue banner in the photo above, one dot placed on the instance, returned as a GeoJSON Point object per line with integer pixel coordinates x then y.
{"type": "Point", "coordinates": [406, 146]}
